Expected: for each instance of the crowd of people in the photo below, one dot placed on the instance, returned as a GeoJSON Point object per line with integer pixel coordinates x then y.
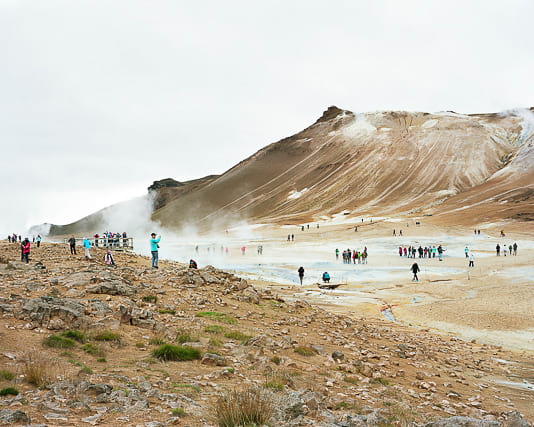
{"type": "Point", "coordinates": [353, 256]}
{"type": "Point", "coordinates": [420, 252]}
{"type": "Point", "coordinates": [510, 249]}
{"type": "Point", "coordinates": [111, 239]}
{"type": "Point", "coordinates": [25, 245]}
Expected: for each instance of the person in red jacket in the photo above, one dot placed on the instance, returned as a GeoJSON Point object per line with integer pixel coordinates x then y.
{"type": "Point", "coordinates": [25, 247]}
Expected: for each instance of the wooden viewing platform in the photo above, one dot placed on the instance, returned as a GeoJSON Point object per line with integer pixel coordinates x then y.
{"type": "Point", "coordinates": [114, 243]}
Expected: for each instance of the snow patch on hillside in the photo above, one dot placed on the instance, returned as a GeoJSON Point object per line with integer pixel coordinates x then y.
{"type": "Point", "coordinates": [296, 194]}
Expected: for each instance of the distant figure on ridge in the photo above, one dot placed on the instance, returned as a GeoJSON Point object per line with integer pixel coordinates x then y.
{"type": "Point", "coordinates": [326, 277]}
{"type": "Point", "coordinates": [38, 240]}
{"type": "Point", "coordinates": [471, 260]}
{"type": "Point", "coordinates": [193, 264]}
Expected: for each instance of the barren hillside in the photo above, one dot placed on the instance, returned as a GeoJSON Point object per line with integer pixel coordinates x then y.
{"type": "Point", "coordinates": [372, 163]}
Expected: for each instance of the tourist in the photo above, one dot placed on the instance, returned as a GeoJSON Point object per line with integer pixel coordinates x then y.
{"type": "Point", "coordinates": [326, 277]}
{"type": "Point", "coordinates": [466, 250]}
{"type": "Point", "coordinates": [515, 249]}
{"type": "Point", "coordinates": [471, 260]}
{"type": "Point", "coordinates": [25, 249]}
{"type": "Point", "coordinates": [415, 269]}
{"type": "Point", "coordinates": [337, 253]}
{"type": "Point", "coordinates": [498, 249]}
{"type": "Point", "coordinates": [440, 252]}
{"type": "Point", "coordinates": [38, 240]}
{"type": "Point", "coordinates": [193, 264]}
{"type": "Point", "coordinates": [154, 247]}
{"type": "Point", "coordinates": [108, 258]}
{"type": "Point", "coordinates": [301, 274]}
{"type": "Point", "coordinates": [72, 244]}
{"type": "Point", "coordinates": [87, 246]}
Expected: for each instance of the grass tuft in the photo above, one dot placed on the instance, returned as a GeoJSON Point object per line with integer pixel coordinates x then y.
{"type": "Point", "coordinates": [6, 375]}
{"type": "Point", "coordinates": [92, 349]}
{"type": "Point", "coordinates": [176, 352]}
{"type": "Point", "coordinates": [250, 407]}
{"type": "Point", "coordinates": [74, 335]}
{"type": "Point", "coordinates": [9, 391]}
{"type": "Point", "coordinates": [219, 317]}
{"type": "Point", "coordinates": [150, 298]}
{"type": "Point", "coordinates": [108, 336]}
{"type": "Point", "coordinates": [238, 336]}
{"type": "Point", "coordinates": [56, 341]}
{"type": "Point", "coordinates": [305, 351]}
{"type": "Point", "coordinates": [214, 329]}
{"type": "Point", "coordinates": [156, 341]}
{"type": "Point", "coordinates": [37, 369]}
{"type": "Point", "coordinates": [186, 337]}
{"type": "Point", "coordinates": [380, 380]}
{"type": "Point", "coordinates": [179, 412]}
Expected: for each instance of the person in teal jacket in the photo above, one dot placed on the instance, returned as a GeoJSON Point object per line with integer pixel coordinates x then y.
{"type": "Point", "coordinates": [87, 247]}
{"type": "Point", "coordinates": [154, 249]}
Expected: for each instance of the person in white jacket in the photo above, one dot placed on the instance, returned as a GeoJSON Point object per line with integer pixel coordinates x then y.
{"type": "Point", "coordinates": [471, 260]}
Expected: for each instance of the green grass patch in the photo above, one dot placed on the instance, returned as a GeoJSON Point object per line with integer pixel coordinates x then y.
{"type": "Point", "coordinates": [179, 412]}
{"type": "Point", "coordinates": [9, 391]}
{"type": "Point", "coordinates": [238, 336]}
{"type": "Point", "coordinates": [183, 338]}
{"type": "Point", "coordinates": [108, 336]}
{"type": "Point", "coordinates": [214, 329]}
{"type": "Point", "coordinates": [101, 360]}
{"type": "Point", "coordinates": [219, 317]}
{"type": "Point", "coordinates": [92, 349]}
{"type": "Point", "coordinates": [305, 351]}
{"type": "Point", "coordinates": [85, 369]}
{"type": "Point", "coordinates": [150, 298]}
{"type": "Point", "coordinates": [176, 352]}
{"type": "Point", "coordinates": [56, 341]}
{"type": "Point", "coordinates": [75, 335]}
{"type": "Point", "coordinates": [166, 311]}
{"type": "Point", "coordinates": [6, 375]}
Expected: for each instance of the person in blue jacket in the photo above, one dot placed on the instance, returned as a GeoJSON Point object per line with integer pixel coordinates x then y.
{"type": "Point", "coordinates": [154, 249]}
{"type": "Point", "coordinates": [326, 277]}
{"type": "Point", "coordinates": [87, 247]}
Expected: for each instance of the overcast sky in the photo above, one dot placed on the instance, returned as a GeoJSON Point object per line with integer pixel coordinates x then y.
{"type": "Point", "coordinates": [100, 98]}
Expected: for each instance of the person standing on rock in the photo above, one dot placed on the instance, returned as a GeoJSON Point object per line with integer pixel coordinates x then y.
{"type": "Point", "coordinates": [154, 240]}
{"type": "Point", "coordinates": [498, 249]}
{"type": "Point", "coordinates": [301, 274]}
{"type": "Point", "coordinates": [38, 240]}
{"type": "Point", "coordinates": [415, 269]}
{"type": "Point", "coordinates": [25, 249]}
{"type": "Point", "coordinates": [108, 258]}
{"type": "Point", "coordinates": [515, 249]}
{"type": "Point", "coordinates": [72, 244]}
{"type": "Point", "coordinates": [337, 253]}
{"type": "Point", "coordinates": [466, 250]}
{"type": "Point", "coordinates": [87, 247]}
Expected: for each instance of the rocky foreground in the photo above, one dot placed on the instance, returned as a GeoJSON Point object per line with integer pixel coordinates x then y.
{"type": "Point", "coordinates": [80, 342]}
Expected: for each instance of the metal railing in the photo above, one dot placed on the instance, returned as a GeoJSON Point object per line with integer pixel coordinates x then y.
{"type": "Point", "coordinates": [107, 242]}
